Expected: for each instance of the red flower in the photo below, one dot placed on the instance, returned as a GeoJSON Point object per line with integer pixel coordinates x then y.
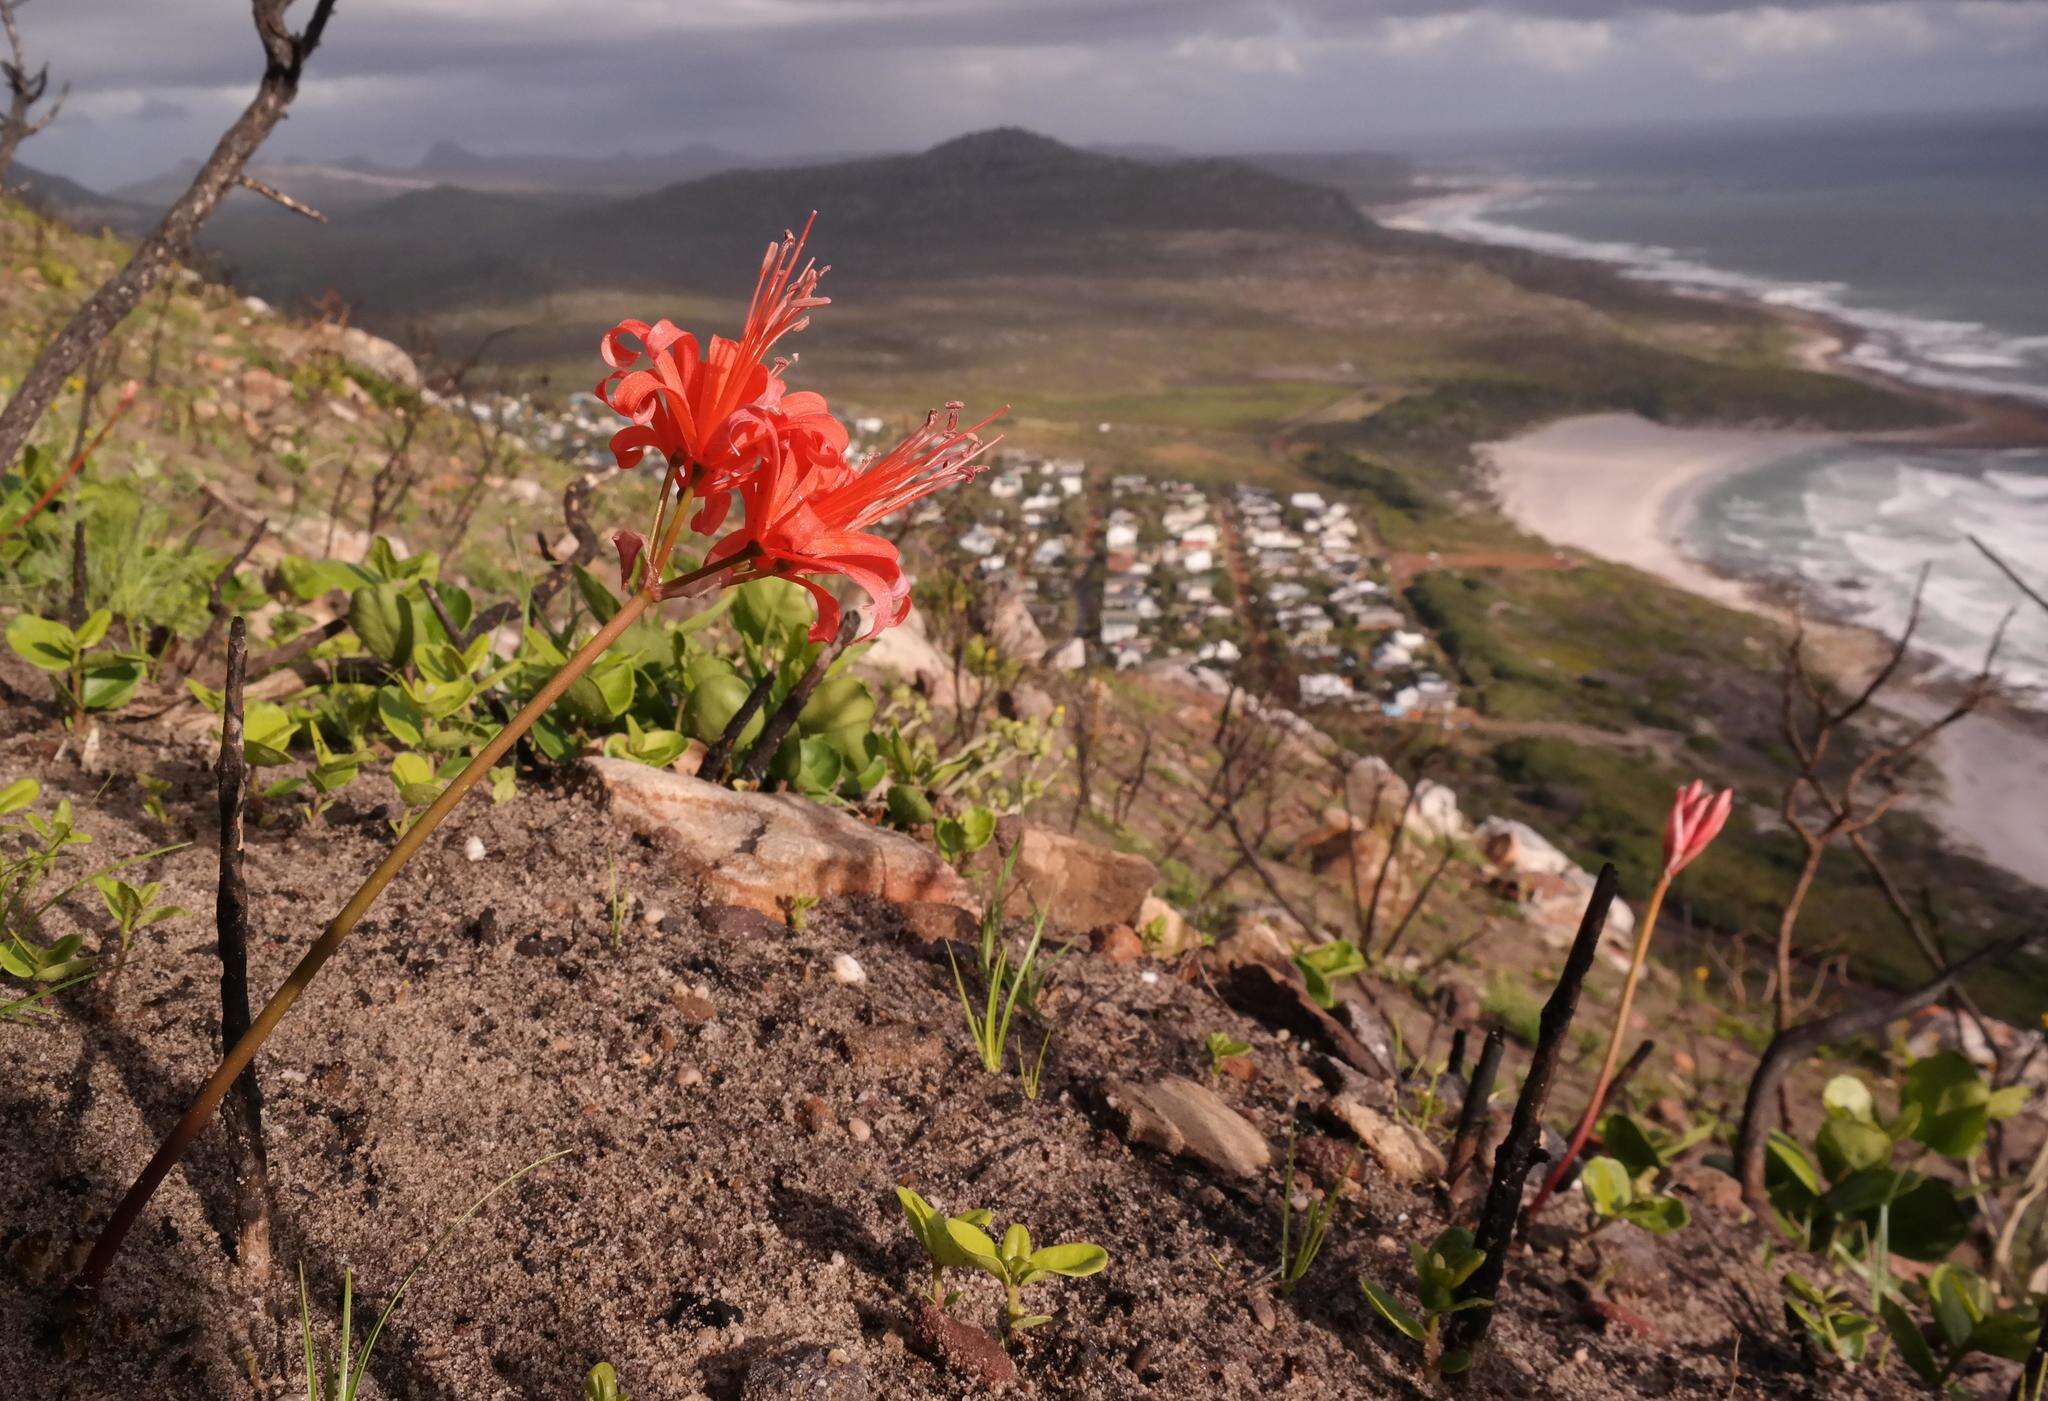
{"type": "Point", "coordinates": [710, 410]}
{"type": "Point", "coordinates": [1696, 819]}
{"type": "Point", "coordinates": [807, 513]}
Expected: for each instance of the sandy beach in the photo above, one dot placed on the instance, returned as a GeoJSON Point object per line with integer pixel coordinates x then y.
{"type": "Point", "coordinates": [1622, 488]}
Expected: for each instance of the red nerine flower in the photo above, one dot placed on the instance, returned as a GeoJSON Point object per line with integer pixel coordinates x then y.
{"type": "Point", "coordinates": [807, 514]}
{"type": "Point", "coordinates": [1696, 819]}
{"type": "Point", "coordinates": [711, 410]}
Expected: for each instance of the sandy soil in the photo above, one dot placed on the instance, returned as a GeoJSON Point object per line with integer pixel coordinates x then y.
{"type": "Point", "coordinates": [737, 1118]}
{"type": "Point", "coordinates": [1623, 488]}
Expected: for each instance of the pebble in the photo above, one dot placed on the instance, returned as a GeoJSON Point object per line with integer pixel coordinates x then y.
{"type": "Point", "coordinates": [689, 1077]}
{"type": "Point", "coordinates": [652, 916]}
{"type": "Point", "coordinates": [858, 1130]}
{"type": "Point", "coordinates": [846, 969]}
{"type": "Point", "coordinates": [815, 1115]}
{"type": "Point", "coordinates": [474, 849]}
{"type": "Point", "coordinates": [1262, 1311]}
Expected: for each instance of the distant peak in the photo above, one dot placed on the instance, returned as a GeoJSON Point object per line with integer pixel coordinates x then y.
{"type": "Point", "coordinates": [1003, 145]}
{"type": "Point", "coordinates": [447, 153]}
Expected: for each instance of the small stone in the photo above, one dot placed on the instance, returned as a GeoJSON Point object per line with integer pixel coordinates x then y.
{"type": "Point", "coordinates": [1176, 1115]}
{"type": "Point", "coordinates": [1120, 944]}
{"type": "Point", "coordinates": [959, 1347]}
{"type": "Point", "coordinates": [689, 1077]}
{"type": "Point", "coordinates": [473, 849]}
{"type": "Point", "coordinates": [1262, 1311]}
{"type": "Point", "coordinates": [815, 1115]}
{"type": "Point", "coordinates": [695, 1007]}
{"type": "Point", "coordinates": [934, 922]}
{"type": "Point", "coordinates": [858, 1130]}
{"type": "Point", "coordinates": [806, 1372]}
{"type": "Point", "coordinates": [652, 916]}
{"type": "Point", "coordinates": [846, 969]}
{"type": "Point", "coordinates": [1407, 1157]}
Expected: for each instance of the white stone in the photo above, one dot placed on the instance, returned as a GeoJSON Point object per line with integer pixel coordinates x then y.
{"type": "Point", "coordinates": [846, 969]}
{"type": "Point", "coordinates": [474, 849]}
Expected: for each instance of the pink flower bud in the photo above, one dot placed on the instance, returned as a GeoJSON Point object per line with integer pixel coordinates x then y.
{"type": "Point", "coordinates": [629, 544]}
{"type": "Point", "coordinates": [1696, 819]}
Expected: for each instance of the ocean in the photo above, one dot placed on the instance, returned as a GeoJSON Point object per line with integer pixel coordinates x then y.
{"type": "Point", "coordinates": [1929, 237]}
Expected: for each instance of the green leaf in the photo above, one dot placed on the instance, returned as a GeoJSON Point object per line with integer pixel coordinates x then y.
{"type": "Point", "coordinates": [401, 716]}
{"type": "Point", "coordinates": [1846, 1145]}
{"type": "Point", "coordinates": [1657, 1215]}
{"type": "Point", "coordinates": [1391, 1310]}
{"type": "Point", "coordinates": [978, 828]}
{"type": "Point", "coordinates": [267, 732]}
{"type": "Point", "coordinates": [974, 1246]}
{"type": "Point", "coordinates": [1016, 1243]}
{"type": "Point", "coordinates": [600, 600]}
{"type": "Point", "coordinates": [841, 703]}
{"type": "Point", "coordinates": [765, 610]}
{"type": "Point", "coordinates": [603, 1384]}
{"type": "Point", "coordinates": [908, 805]}
{"type": "Point", "coordinates": [1608, 1186]}
{"type": "Point", "coordinates": [310, 579]}
{"type": "Point", "coordinates": [108, 682]}
{"type": "Point", "coordinates": [1845, 1094]}
{"type": "Point", "coordinates": [1928, 1221]}
{"type": "Point", "coordinates": [1626, 1140]}
{"type": "Point", "coordinates": [1075, 1260]}
{"type": "Point", "coordinates": [18, 795]}
{"type": "Point", "coordinates": [1953, 1100]}
{"type": "Point", "coordinates": [42, 643]}
{"type": "Point", "coordinates": [93, 629]}
{"type": "Point", "coordinates": [382, 620]}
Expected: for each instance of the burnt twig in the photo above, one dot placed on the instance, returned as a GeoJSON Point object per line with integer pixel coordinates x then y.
{"type": "Point", "coordinates": [244, 1109]}
{"type": "Point", "coordinates": [1518, 1152]}
{"type": "Point", "coordinates": [1472, 1114]}
{"type": "Point", "coordinates": [778, 726]}
{"type": "Point", "coordinates": [1796, 1043]}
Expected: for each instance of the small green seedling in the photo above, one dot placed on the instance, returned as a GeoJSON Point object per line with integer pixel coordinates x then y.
{"type": "Point", "coordinates": [1015, 1266]}
{"type": "Point", "coordinates": [796, 910]}
{"type": "Point", "coordinates": [1827, 1318]}
{"type": "Point", "coordinates": [1613, 1194]}
{"type": "Point", "coordinates": [134, 907]}
{"type": "Point", "coordinates": [1298, 1250]}
{"type": "Point", "coordinates": [930, 1226]}
{"type": "Point", "coordinates": [1324, 964]}
{"type": "Point", "coordinates": [1966, 1321]}
{"type": "Point", "coordinates": [1222, 1046]}
{"type": "Point", "coordinates": [960, 837]}
{"type": "Point", "coordinates": [603, 1385]}
{"type": "Point", "coordinates": [153, 791]}
{"type": "Point", "coordinates": [85, 679]}
{"type": "Point", "coordinates": [1440, 1268]}
{"type": "Point", "coordinates": [1005, 986]}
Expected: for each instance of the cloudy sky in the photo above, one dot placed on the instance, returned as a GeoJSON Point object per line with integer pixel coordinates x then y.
{"type": "Point", "coordinates": [155, 80]}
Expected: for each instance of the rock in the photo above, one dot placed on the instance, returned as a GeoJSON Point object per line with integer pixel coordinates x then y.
{"type": "Point", "coordinates": [1119, 944]}
{"type": "Point", "coordinates": [751, 849]}
{"type": "Point", "coordinates": [1353, 856]}
{"type": "Point", "coordinates": [1015, 632]}
{"type": "Point", "coordinates": [1406, 1156]}
{"type": "Point", "coordinates": [1176, 1115]}
{"type": "Point", "coordinates": [959, 1347]}
{"type": "Point", "coordinates": [1369, 1027]}
{"type": "Point", "coordinates": [1550, 887]}
{"type": "Point", "coordinates": [740, 922]}
{"type": "Point", "coordinates": [473, 849]}
{"type": "Point", "coordinates": [1262, 1310]}
{"type": "Point", "coordinates": [372, 354]}
{"type": "Point", "coordinates": [1070, 655]}
{"type": "Point", "coordinates": [1164, 929]}
{"type": "Point", "coordinates": [846, 970]}
{"type": "Point", "coordinates": [1078, 884]}
{"type": "Point", "coordinates": [933, 922]}
{"type": "Point", "coordinates": [815, 1116]}
{"type": "Point", "coordinates": [892, 1049]}
{"type": "Point", "coordinates": [858, 1130]}
{"type": "Point", "coordinates": [806, 1372]}
{"type": "Point", "coordinates": [1709, 1187]}
{"type": "Point", "coordinates": [1377, 793]}
{"type": "Point", "coordinates": [256, 306]}
{"type": "Point", "coordinates": [695, 1008]}
{"type": "Point", "coordinates": [1029, 702]}
{"type": "Point", "coordinates": [263, 391]}
{"type": "Point", "coordinates": [904, 653]}
{"type": "Point", "coordinates": [1434, 815]}
{"type": "Point", "coordinates": [1256, 938]}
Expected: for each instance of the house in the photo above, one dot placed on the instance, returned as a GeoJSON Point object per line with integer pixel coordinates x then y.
{"type": "Point", "coordinates": [1324, 686]}
{"type": "Point", "coordinates": [1311, 501]}
{"type": "Point", "coordinates": [1221, 650]}
{"type": "Point", "coordinates": [1118, 626]}
{"type": "Point", "coordinates": [980, 541]}
{"type": "Point", "coordinates": [1390, 656]}
{"type": "Point", "coordinates": [1120, 536]}
{"type": "Point", "coordinates": [1200, 536]}
{"type": "Point", "coordinates": [1198, 561]}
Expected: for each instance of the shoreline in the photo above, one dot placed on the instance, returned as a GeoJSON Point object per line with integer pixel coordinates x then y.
{"type": "Point", "coordinates": [1562, 481]}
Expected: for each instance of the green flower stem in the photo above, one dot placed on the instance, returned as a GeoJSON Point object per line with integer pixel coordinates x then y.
{"type": "Point", "coordinates": [244, 1050]}
{"type": "Point", "coordinates": [1646, 927]}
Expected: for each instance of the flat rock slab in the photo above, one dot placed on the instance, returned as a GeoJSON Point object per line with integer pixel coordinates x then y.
{"type": "Point", "coordinates": [754, 849]}
{"type": "Point", "coordinates": [1079, 885]}
{"type": "Point", "coordinates": [1177, 1115]}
